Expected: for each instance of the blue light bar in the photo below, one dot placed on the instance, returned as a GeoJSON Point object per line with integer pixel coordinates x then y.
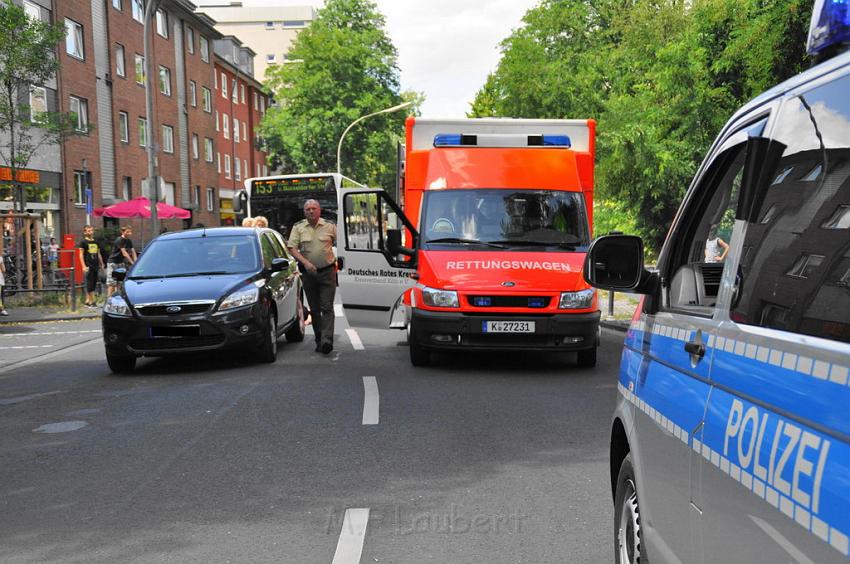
{"type": "Point", "coordinates": [557, 140]}
{"type": "Point", "coordinates": [830, 27]}
{"type": "Point", "coordinates": [481, 301]}
{"type": "Point", "coordinates": [447, 139]}
{"type": "Point", "coordinates": [536, 302]}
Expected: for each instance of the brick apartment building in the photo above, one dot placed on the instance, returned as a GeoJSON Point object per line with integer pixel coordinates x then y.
{"type": "Point", "coordinates": [240, 104]}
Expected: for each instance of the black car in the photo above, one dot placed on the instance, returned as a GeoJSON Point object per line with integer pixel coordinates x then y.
{"type": "Point", "coordinates": [204, 290]}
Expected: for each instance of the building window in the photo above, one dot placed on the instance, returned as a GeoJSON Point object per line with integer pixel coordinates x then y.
{"type": "Point", "coordinates": [164, 80]}
{"type": "Point", "coordinates": [74, 39]}
{"type": "Point", "coordinates": [242, 92]}
{"type": "Point", "coordinates": [225, 125]}
{"type": "Point", "coordinates": [265, 170]}
{"type": "Point", "coordinates": [195, 148]}
{"type": "Point", "coordinates": [190, 40]}
{"type": "Point", "coordinates": [262, 104]}
{"type": "Point", "coordinates": [227, 166]}
{"type": "Point", "coordinates": [210, 199]}
{"type": "Point", "coordinates": [218, 162]}
{"type": "Point", "coordinates": [207, 99]}
{"type": "Point", "coordinates": [32, 10]}
{"type": "Point", "coordinates": [162, 23]}
{"type": "Point", "coordinates": [120, 62]}
{"type": "Point", "coordinates": [244, 132]}
{"type": "Point", "coordinates": [805, 265]}
{"type": "Point", "coordinates": [167, 139]}
{"type": "Point", "coordinates": [197, 197]}
{"type": "Point", "coordinates": [81, 182]}
{"type": "Point", "coordinates": [117, 4]}
{"type": "Point", "coordinates": [140, 69]}
{"type": "Point", "coordinates": [124, 126]}
{"type": "Point", "coordinates": [294, 23]}
{"type": "Point", "coordinates": [258, 169]}
{"type": "Point", "coordinates": [256, 102]}
{"type": "Point", "coordinates": [127, 187]}
{"type": "Point", "coordinates": [217, 128]}
{"type": "Point", "coordinates": [245, 167]}
{"type": "Point", "coordinates": [235, 92]}
{"type": "Point", "coordinates": [269, 25]}
{"type": "Point", "coordinates": [143, 132]}
{"type": "Point", "coordinates": [236, 129]}
{"type": "Point", "coordinates": [80, 109]}
{"type": "Point", "coordinates": [38, 102]}
{"type": "Point", "coordinates": [193, 94]}
{"type": "Point", "coordinates": [237, 166]}
{"type": "Point", "coordinates": [208, 149]}
{"type": "Point", "coordinates": [840, 219]}
{"type": "Point", "coordinates": [205, 49]}
{"type": "Point", "coordinates": [223, 85]}
{"type": "Point", "coordinates": [270, 58]}
{"type": "Point", "coordinates": [139, 10]}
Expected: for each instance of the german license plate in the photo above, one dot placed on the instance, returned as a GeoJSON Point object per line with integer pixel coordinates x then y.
{"type": "Point", "coordinates": [172, 331]}
{"type": "Point", "coordinates": [507, 326]}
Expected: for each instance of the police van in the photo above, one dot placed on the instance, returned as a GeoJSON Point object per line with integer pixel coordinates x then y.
{"type": "Point", "coordinates": [731, 436]}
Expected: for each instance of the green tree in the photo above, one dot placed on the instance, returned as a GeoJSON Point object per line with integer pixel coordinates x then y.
{"type": "Point", "coordinates": [343, 66]}
{"type": "Point", "coordinates": [27, 60]}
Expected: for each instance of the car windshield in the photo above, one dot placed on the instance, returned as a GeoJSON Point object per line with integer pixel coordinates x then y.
{"type": "Point", "coordinates": [169, 258]}
{"type": "Point", "coordinates": [504, 218]}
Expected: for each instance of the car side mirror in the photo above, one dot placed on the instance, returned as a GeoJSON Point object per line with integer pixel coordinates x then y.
{"type": "Point", "coordinates": [394, 247]}
{"type": "Point", "coordinates": [615, 262]}
{"type": "Point", "coordinates": [279, 264]}
{"type": "Point", "coordinates": [119, 274]}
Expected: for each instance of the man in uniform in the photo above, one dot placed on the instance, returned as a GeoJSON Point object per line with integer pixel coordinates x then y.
{"type": "Point", "coordinates": [311, 243]}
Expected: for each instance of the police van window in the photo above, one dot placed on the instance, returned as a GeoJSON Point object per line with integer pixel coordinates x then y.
{"type": "Point", "coordinates": [702, 243]}
{"type": "Point", "coordinates": [796, 276]}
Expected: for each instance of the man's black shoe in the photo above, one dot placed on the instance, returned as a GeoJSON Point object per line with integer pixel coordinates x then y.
{"type": "Point", "coordinates": [318, 347]}
{"type": "Point", "coordinates": [327, 348]}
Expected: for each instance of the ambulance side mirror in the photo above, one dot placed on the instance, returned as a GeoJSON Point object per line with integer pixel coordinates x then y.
{"type": "Point", "coordinates": [394, 248]}
{"type": "Point", "coordinates": [615, 262]}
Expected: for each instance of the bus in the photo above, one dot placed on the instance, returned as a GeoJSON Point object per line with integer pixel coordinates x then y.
{"type": "Point", "coordinates": [281, 198]}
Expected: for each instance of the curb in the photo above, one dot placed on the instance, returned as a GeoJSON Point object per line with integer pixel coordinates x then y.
{"type": "Point", "coordinates": [619, 326]}
{"type": "Point", "coordinates": [80, 317]}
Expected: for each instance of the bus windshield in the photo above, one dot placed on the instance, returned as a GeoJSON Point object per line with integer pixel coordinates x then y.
{"type": "Point", "coordinates": [506, 218]}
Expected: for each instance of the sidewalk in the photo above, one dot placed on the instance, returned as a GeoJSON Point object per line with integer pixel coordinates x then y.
{"type": "Point", "coordinates": [34, 314]}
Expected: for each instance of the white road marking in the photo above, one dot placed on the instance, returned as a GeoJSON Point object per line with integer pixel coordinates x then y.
{"type": "Point", "coordinates": [338, 310]}
{"type": "Point", "coordinates": [39, 334]}
{"type": "Point", "coordinates": [371, 401]}
{"type": "Point", "coordinates": [19, 399]}
{"type": "Point", "coordinates": [26, 347]}
{"type": "Point", "coordinates": [46, 356]}
{"type": "Point", "coordinates": [350, 545]}
{"type": "Point", "coordinates": [355, 339]}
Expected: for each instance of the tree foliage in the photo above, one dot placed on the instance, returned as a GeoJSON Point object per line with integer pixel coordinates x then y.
{"type": "Point", "coordinates": [660, 76]}
{"type": "Point", "coordinates": [343, 66]}
{"type": "Point", "coordinates": [27, 59]}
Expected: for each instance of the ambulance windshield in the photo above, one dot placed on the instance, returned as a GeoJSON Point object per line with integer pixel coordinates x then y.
{"type": "Point", "coordinates": [513, 218]}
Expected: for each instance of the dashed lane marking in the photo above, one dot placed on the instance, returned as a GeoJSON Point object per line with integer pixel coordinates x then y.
{"type": "Point", "coordinates": [355, 339]}
{"type": "Point", "coordinates": [39, 334]}
{"type": "Point", "coordinates": [47, 356]}
{"type": "Point", "coordinates": [371, 401]}
{"type": "Point", "coordinates": [26, 347]}
{"type": "Point", "coordinates": [349, 548]}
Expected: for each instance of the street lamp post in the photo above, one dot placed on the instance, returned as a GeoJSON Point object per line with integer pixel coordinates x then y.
{"type": "Point", "coordinates": [153, 178]}
{"type": "Point", "coordinates": [358, 120]}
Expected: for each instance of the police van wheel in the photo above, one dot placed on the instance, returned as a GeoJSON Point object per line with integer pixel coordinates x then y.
{"type": "Point", "coordinates": [587, 358]}
{"type": "Point", "coordinates": [419, 356]}
{"type": "Point", "coordinates": [628, 541]}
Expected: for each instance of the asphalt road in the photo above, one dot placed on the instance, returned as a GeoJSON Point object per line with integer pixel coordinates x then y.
{"type": "Point", "coordinates": [481, 458]}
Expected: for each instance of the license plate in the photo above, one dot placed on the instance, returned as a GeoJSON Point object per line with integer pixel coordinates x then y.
{"type": "Point", "coordinates": [176, 331]}
{"type": "Point", "coordinates": [507, 326]}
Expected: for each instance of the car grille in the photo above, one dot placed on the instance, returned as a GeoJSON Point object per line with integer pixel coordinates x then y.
{"type": "Point", "coordinates": [150, 310]}
{"type": "Point", "coordinates": [535, 302]}
{"type": "Point", "coordinates": [176, 343]}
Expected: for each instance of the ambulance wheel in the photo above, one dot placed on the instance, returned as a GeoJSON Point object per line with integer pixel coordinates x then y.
{"type": "Point", "coordinates": [628, 539]}
{"type": "Point", "coordinates": [419, 355]}
{"type": "Point", "coordinates": [587, 358]}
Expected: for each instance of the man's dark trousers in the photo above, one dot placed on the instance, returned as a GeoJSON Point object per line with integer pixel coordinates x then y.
{"type": "Point", "coordinates": [320, 289]}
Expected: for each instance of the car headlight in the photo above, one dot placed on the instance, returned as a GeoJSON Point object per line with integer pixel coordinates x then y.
{"type": "Point", "coordinates": [576, 300]}
{"type": "Point", "coordinates": [239, 298]}
{"type": "Point", "coordinates": [116, 305]}
{"type": "Point", "coordinates": [439, 298]}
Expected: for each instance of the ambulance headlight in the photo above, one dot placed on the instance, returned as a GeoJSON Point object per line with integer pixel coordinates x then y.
{"type": "Point", "coordinates": [439, 298]}
{"type": "Point", "coordinates": [576, 300]}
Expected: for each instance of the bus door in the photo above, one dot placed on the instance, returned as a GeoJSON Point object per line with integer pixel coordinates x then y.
{"type": "Point", "coordinates": [376, 268]}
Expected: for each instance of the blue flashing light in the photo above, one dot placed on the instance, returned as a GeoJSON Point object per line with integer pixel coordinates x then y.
{"type": "Point", "coordinates": [556, 141]}
{"type": "Point", "coordinates": [536, 302]}
{"type": "Point", "coordinates": [481, 301]}
{"type": "Point", "coordinates": [830, 26]}
{"type": "Point", "coordinates": [447, 139]}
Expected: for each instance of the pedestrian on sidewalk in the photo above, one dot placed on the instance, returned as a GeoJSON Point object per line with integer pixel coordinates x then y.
{"type": "Point", "coordinates": [123, 256]}
{"type": "Point", "coordinates": [311, 243]}
{"type": "Point", "coordinates": [89, 253]}
{"type": "Point", "coordinates": [2, 284]}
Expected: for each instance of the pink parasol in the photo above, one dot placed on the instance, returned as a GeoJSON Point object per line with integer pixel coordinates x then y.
{"type": "Point", "coordinates": [141, 207]}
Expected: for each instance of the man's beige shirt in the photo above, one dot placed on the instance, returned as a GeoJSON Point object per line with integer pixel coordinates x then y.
{"type": "Point", "coordinates": [315, 243]}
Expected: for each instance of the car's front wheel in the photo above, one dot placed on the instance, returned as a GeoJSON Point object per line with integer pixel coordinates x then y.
{"type": "Point", "coordinates": [268, 347]}
{"type": "Point", "coordinates": [295, 334]}
{"type": "Point", "coordinates": [120, 364]}
{"type": "Point", "coordinates": [628, 539]}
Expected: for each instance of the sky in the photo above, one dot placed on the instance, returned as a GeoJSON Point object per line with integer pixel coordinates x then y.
{"type": "Point", "coordinates": [446, 48]}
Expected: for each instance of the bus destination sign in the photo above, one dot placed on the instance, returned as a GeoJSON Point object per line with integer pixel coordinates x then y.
{"type": "Point", "coordinates": [284, 185]}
